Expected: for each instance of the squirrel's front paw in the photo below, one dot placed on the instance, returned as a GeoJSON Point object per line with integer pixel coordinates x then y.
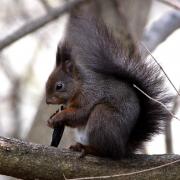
{"type": "Point", "coordinates": [56, 120]}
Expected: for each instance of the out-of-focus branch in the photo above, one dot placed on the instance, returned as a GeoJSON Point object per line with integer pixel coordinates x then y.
{"type": "Point", "coordinates": [46, 5]}
{"type": "Point", "coordinates": [39, 22]}
{"type": "Point", "coordinates": [176, 104]}
{"type": "Point", "coordinates": [17, 83]}
{"type": "Point", "coordinates": [169, 146]}
{"type": "Point", "coordinates": [21, 9]}
{"type": "Point", "coordinates": [9, 72]}
{"type": "Point", "coordinates": [168, 138]}
{"type": "Point", "coordinates": [161, 29]}
{"type": "Point", "coordinates": [14, 97]}
{"type": "Point", "coordinates": [155, 35]}
{"type": "Point", "coordinates": [173, 3]}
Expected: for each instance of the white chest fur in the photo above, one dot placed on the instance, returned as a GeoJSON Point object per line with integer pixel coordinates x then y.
{"type": "Point", "coordinates": [81, 135]}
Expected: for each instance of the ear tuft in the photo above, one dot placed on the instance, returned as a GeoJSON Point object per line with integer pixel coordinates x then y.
{"type": "Point", "coordinates": [58, 57]}
{"type": "Point", "coordinates": [63, 53]}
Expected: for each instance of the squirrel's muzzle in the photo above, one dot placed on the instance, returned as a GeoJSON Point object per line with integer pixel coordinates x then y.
{"type": "Point", "coordinates": [52, 100]}
{"type": "Point", "coordinates": [55, 100]}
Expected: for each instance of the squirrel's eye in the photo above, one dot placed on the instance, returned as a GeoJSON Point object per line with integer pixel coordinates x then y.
{"type": "Point", "coordinates": [59, 86]}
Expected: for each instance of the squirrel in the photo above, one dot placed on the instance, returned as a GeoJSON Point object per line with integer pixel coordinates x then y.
{"type": "Point", "coordinates": [94, 78]}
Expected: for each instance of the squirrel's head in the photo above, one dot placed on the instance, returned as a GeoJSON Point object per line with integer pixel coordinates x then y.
{"type": "Point", "coordinates": [62, 84]}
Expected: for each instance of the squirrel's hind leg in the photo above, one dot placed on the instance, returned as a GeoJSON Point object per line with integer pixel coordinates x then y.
{"type": "Point", "coordinates": [107, 131]}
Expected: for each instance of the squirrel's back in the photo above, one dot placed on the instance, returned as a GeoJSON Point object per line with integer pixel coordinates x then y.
{"type": "Point", "coordinates": [96, 49]}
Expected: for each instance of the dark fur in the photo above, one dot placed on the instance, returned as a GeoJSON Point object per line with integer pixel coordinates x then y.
{"type": "Point", "coordinates": [95, 47]}
{"type": "Point", "coordinates": [118, 117]}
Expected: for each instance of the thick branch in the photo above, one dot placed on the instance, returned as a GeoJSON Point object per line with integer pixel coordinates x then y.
{"type": "Point", "coordinates": [38, 23]}
{"type": "Point", "coordinates": [32, 161]}
{"type": "Point", "coordinates": [161, 29]}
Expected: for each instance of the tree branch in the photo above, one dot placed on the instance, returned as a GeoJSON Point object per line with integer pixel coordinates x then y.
{"type": "Point", "coordinates": [39, 22]}
{"type": "Point", "coordinates": [161, 29]}
{"type": "Point", "coordinates": [32, 161]}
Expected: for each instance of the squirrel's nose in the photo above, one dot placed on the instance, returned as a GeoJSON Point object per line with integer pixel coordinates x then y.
{"type": "Point", "coordinates": [51, 100]}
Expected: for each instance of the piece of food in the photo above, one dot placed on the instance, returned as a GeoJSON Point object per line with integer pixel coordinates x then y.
{"type": "Point", "coordinates": [58, 131]}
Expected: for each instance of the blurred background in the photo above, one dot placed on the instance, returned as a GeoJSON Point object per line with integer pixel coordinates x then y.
{"type": "Point", "coordinates": [29, 34]}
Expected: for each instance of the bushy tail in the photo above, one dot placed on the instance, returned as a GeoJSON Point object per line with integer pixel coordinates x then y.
{"type": "Point", "coordinates": [95, 47]}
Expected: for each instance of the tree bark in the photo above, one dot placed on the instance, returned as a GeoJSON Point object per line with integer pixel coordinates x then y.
{"type": "Point", "coordinates": [32, 161]}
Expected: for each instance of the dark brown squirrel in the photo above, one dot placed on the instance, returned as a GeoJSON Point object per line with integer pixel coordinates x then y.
{"type": "Point", "coordinates": [94, 77]}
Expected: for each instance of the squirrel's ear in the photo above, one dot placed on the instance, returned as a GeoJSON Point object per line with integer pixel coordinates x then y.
{"type": "Point", "coordinates": [63, 53]}
{"type": "Point", "coordinates": [69, 66]}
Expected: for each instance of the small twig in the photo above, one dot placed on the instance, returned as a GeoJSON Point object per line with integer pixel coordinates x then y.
{"type": "Point", "coordinates": [173, 3]}
{"type": "Point", "coordinates": [155, 100]}
{"type": "Point", "coordinates": [125, 174]}
{"type": "Point", "coordinates": [38, 23]}
{"type": "Point", "coordinates": [161, 68]}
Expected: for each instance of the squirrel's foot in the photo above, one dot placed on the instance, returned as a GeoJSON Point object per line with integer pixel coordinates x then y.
{"type": "Point", "coordinates": [78, 147]}
{"type": "Point", "coordinates": [83, 149]}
